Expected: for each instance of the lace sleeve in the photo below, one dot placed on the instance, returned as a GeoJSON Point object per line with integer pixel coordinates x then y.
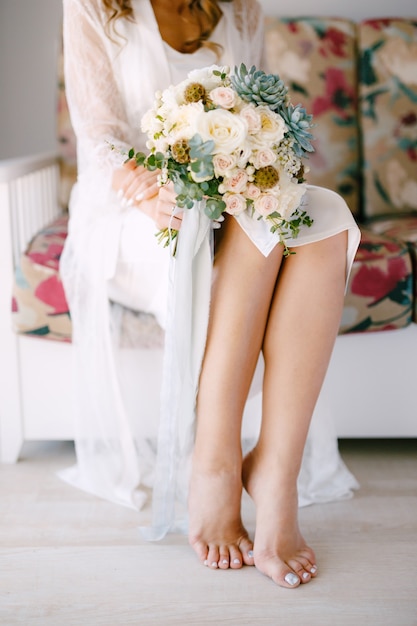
{"type": "Point", "coordinates": [249, 20]}
{"type": "Point", "coordinates": [95, 103]}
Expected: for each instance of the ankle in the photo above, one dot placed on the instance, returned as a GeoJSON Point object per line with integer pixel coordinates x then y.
{"type": "Point", "coordinates": [215, 463]}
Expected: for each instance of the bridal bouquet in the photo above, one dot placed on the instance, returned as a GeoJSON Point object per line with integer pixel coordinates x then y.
{"type": "Point", "coordinates": [235, 141]}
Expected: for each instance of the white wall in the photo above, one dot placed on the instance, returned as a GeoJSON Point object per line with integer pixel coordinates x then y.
{"type": "Point", "coordinates": [29, 39]}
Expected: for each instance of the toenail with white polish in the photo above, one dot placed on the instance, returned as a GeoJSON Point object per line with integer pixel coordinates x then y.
{"type": "Point", "coordinates": [291, 579]}
{"type": "Point", "coordinates": [313, 569]}
{"type": "Point", "coordinates": [214, 564]}
{"type": "Point", "coordinates": [236, 561]}
{"type": "Point", "coordinates": [225, 561]}
{"type": "Point", "coordinates": [205, 563]}
{"type": "Point", "coordinates": [250, 554]}
{"type": "Point", "coordinates": [306, 575]}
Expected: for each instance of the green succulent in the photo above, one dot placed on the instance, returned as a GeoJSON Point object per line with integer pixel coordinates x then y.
{"type": "Point", "coordinates": [255, 86]}
{"type": "Point", "coordinates": [299, 124]}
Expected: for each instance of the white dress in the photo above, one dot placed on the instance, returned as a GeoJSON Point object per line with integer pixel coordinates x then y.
{"type": "Point", "coordinates": [110, 83]}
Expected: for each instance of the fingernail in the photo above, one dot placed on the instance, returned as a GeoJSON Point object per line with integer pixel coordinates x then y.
{"type": "Point", "coordinates": [216, 226]}
{"type": "Point", "coordinates": [120, 193]}
{"type": "Point", "coordinates": [250, 554]}
{"type": "Point", "coordinates": [236, 561]}
{"type": "Point", "coordinates": [130, 202]}
{"type": "Point", "coordinates": [291, 579]}
{"type": "Point", "coordinates": [214, 564]}
{"type": "Point", "coordinates": [140, 197]}
{"type": "Point", "coordinates": [220, 219]}
{"type": "Point", "coordinates": [123, 203]}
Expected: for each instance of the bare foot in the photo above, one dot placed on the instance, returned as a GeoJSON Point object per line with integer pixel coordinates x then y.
{"type": "Point", "coordinates": [216, 532]}
{"type": "Point", "coordinates": [280, 551]}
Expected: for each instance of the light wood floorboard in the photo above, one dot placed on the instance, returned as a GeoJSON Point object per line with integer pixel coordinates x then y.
{"type": "Point", "coordinates": [68, 559]}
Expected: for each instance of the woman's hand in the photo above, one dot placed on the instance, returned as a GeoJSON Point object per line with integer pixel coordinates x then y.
{"type": "Point", "coordinates": [139, 187]}
{"type": "Point", "coordinates": [134, 183]}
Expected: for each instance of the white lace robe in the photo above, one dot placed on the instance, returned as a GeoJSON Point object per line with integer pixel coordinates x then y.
{"type": "Point", "coordinates": [110, 83]}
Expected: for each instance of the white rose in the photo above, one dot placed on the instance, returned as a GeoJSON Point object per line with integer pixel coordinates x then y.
{"type": "Point", "coordinates": [206, 77]}
{"type": "Point", "coordinates": [181, 121]}
{"type": "Point", "coordinates": [150, 124]}
{"type": "Point", "coordinates": [236, 182]}
{"type": "Point", "coordinates": [223, 163]}
{"type": "Point", "coordinates": [228, 131]}
{"type": "Point", "coordinates": [223, 97]}
{"type": "Point", "coordinates": [252, 117]}
{"type": "Point", "coordinates": [272, 128]}
{"type": "Point", "coordinates": [266, 204]}
{"type": "Point", "coordinates": [235, 203]}
{"type": "Point", "coordinates": [291, 195]}
{"type": "Point", "coordinates": [262, 158]}
{"type": "Point", "coordinates": [244, 156]}
{"type": "Point", "coordinates": [173, 96]}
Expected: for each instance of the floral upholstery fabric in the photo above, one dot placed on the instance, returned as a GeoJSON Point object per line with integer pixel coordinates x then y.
{"type": "Point", "coordinates": [316, 57]}
{"type": "Point", "coordinates": [39, 305]}
{"type": "Point", "coordinates": [380, 294]}
{"type": "Point", "coordinates": [402, 228]}
{"type": "Point", "coordinates": [388, 101]}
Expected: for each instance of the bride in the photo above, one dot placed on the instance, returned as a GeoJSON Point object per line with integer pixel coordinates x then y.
{"type": "Point", "coordinates": [287, 310]}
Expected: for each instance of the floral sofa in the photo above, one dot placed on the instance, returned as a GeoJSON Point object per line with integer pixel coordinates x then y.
{"type": "Point", "coordinates": [360, 82]}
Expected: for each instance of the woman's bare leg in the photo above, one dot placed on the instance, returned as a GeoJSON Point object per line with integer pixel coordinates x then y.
{"type": "Point", "coordinates": [300, 333]}
{"type": "Point", "coordinates": [243, 286]}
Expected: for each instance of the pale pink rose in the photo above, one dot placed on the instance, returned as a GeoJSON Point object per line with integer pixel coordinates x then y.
{"type": "Point", "coordinates": [262, 158]}
{"type": "Point", "coordinates": [252, 192]}
{"type": "Point", "coordinates": [252, 117]}
{"type": "Point", "coordinates": [237, 182]}
{"type": "Point", "coordinates": [235, 203]}
{"type": "Point", "coordinates": [223, 163]}
{"type": "Point", "coordinates": [223, 97]}
{"type": "Point", "coordinates": [266, 204]}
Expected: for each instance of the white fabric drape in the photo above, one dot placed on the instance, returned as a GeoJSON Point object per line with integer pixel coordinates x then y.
{"type": "Point", "coordinates": [110, 83]}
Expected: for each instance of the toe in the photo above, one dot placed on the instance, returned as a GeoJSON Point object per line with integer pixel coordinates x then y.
{"type": "Point", "coordinates": [290, 580]}
{"type": "Point", "coordinates": [246, 550]}
{"type": "Point", "coordinates": [201, 549]}
{"type": "Point", "coordinates": [235, 557]}
{"type": "Point", "coordinates": [213, 556]}
{"type": "Point", "coordinates": [280, 572]}
{"type": "Point", "coordinates": [302, 567]}
{"type": "Point", "coordinates": [224, 559]}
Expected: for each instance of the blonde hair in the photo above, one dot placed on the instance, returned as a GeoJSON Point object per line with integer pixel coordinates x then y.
{"type": "Point", "coordinates": [208, 13]}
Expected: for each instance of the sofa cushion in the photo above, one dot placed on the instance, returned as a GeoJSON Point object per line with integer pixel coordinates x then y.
{"type": "Point", "coordinates": [39, 306]}
{"type": "Point", "coordinates": [316, 57]}
{"type": "Point", "coordinates": [380, 291]}
{"type": "Point", "coordinates": [402, 228]}
{"type": "Point", "coordinates": [388, 102]}
{"type": "Point", "coordinates": [379, 295]}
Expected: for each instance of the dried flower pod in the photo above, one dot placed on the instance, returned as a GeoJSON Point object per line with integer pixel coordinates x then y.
{"type": "Point", "coordinates": [266, 177]}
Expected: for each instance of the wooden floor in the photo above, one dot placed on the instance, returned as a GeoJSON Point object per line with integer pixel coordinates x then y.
{"type": "Point", "coordinates": [69, 559]}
